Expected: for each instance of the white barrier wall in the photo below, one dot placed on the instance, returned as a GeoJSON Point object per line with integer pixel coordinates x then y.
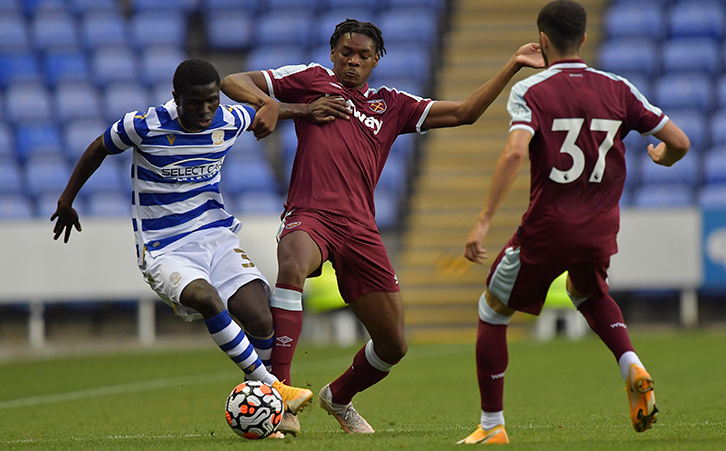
{"type": "Point", "coordinates": [659, 249]}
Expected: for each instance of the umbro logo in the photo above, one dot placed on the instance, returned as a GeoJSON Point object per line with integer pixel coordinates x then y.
{"type": "Point", "coordinates": [284, 341]}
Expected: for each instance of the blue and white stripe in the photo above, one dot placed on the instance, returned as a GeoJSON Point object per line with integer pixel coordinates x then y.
{"type": "Point", "coordinates": [232, 340]}
{"type": "Point", "coordinates": [176, 173]}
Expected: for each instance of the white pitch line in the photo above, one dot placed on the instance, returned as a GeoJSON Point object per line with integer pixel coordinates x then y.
{"type": "Point", "coordinates": [327, 364]}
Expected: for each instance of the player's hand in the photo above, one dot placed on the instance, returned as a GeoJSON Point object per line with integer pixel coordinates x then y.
{"type": "Point", "coordinates": [473, 251]}
{"type": "Point", "coordinates": [530, 55]}
{"type": "Point", "coordinates": [67, 219]}
{"type": "Point", "coordinates": [326, 109]}
{"type": "Point", "coordinates": [265, 120]}
{"type": "Point", "coordinates": [656, 153]}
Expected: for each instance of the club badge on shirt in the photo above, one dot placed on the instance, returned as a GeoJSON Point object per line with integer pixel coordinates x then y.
{"type": "Point", "coordinates": [377, 105]}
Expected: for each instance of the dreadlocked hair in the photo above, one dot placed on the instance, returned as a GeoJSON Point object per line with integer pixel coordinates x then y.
{"type": "Point", "coordinates": [350, 26]}
{"type": "Point", "coordinates": [194, 72]}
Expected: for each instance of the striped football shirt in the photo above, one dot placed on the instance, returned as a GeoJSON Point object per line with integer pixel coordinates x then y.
{"type": "Point", "coordinates": [175, 173]}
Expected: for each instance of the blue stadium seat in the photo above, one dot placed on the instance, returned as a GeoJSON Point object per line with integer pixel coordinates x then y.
{"type": "Point", "coordinates": [15, 206]}
{"type": "Point", "coordinates": [394, 176]}
{"type": "Point", "coordinates": [29, 102]}
{"type": "Point", "coordinates": [694, 124]}
{"type": "Point", "coordinates": [635, 20]}
{"type": "Point", "coordinates": [327, 21]}
{"type": "Point", "coordinates": [692, 55]}
{"type": "Point", "coordinates": [10, 6]}
{"type": "Point", "coordinates": [33, 7]}
{"type": "Point", "coordinates": [371, 5]}
{"type": "Point", "coordinates": [386, 204]}
{"type": "Point", "coordinates": [712, 196]}
{"type": "Point", "coordinates": [404, 145]}
{"type": "Point", "coordinates": [248, 175]}
{"type": "Point", "coordinates": [721, 92]}
{"type": "Point", "coordinates": [228, 30]}
{"type": "Point", "coordinates": [158, 28]}
{"type": "Point", "coordinates": [11, 179]}
{"type": "Point", "coordinates": [663, 196]}
{"type": "Point", "coordinates": [256, 203]}
{"type": "Point", "coordinates": [272, 57]}
{"type": "Point", "coordinates": [686, 171]}
{"type": "Point", "coordinates": [626, 199]}
{"type": "Point", "coordinates": [417, 26]}
{"type": "Point", "coordinates": [103, 29]}
{"type": "Point", "coordinates": [21, 67]}
{"type": "Point", "coordinates": [81, 7]}
{"type": "Point", "coordinates": [46, 176]}
{"type": "Point", "coordinates": [685, 90]}
{"type": "Point", "coordinates": [641, 82]}
{"type": "Point", "coordinates": [698, 18]}
{"type": "Point", "coordinates": [13, 33]}
{"type": "Point", "coordinates": [47, 203]}
{"type": "Point", "coordinates": [278, 6]}
{"type": "Point", "coordinates": [55, 30]}
{"type": "Point", "coordinates": [714, 166]}
{"type": "Point", "coordinates": [79, 134]}
{"type": "Point", "coordinates": [106, 179]}
{"type": "Point", "coordinates": [630, 56]}
{"type": "Point", "coordinates": [65, 66]}
{"type": "Point", "coordinates": [7, 142]}
{"type": "Point", "coordinates": [158, 64]}
{"type": "Point", "coordinates": [38, 139]}
{"type": "Point", "coordinates": [411, 85]}
{"type": "Point", "coordinates": [249, 7]}
{"type": "Point", "coordinates": [186, 6]}
{"type": "Point", "coordinates": [160, 93]}
{"type": "Point", "coordinates": [632, 163]}
{"type": "Point", "coordinates": [247, 147]}
{"type": "Point", "coordinates": [288, 28]}
{"type": "Point", "coordinates": [321, 55]}
{"type": "Point", "coordinates": [122, 98]}
{"type": "Point", "coordinates": [75, 101]}
{"type": "Point", "coordinates": [404, 61]}
{"type": "Point", "coordinates": [718, 128]}
{"type": "Point", "coordinates": [114, 64]}
{"type": "Point", "coordinates": [109, 204]}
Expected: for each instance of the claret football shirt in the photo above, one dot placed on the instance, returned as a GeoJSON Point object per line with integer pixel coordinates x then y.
{"type": "Point", "coordinates": [578, 117]}
{"type": "Point", "coordinates": [337, 165]}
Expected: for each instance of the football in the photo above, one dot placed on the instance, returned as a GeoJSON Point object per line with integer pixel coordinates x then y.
{"type": "Point", "coordinates": [254, 409]}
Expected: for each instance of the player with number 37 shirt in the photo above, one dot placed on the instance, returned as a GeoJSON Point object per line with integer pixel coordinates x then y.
{"type": "Point", "coordinates": [571, 120]}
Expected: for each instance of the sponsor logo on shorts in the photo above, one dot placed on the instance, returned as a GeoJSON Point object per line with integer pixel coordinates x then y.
{"type": "Point", "coordinates": [292, 225]}
{"type": "Point", "coordinates": [174, 278]}
{"type": "Point", "coordinates": [284, 341]}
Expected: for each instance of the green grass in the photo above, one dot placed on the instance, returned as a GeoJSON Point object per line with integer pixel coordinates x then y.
{"type": "Point", "coordinates": [558, 396]}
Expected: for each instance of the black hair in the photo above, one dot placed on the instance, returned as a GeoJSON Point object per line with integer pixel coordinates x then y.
{"type": "Point", "coordinates": [194, 72]}
{"type": "Point", "coordinates": [350, 26]}
{"type": "Point", "coordinates": [564, 23]}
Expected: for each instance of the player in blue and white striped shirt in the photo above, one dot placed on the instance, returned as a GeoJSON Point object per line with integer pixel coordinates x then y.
{"type": "Point", "coordinates": [186, 241]}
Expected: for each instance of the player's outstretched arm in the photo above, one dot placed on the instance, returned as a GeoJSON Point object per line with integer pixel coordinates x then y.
{"type": "Point", "coordinates": [251, 88]}
{"type": "Point", "coordinates": [505, 172]}
{"type": "Point", "coordinates": [66, 215]}
{"type": "Point", "coordinates": [467, 111]}
{"type": "Point", "coordinates": [673, 146]}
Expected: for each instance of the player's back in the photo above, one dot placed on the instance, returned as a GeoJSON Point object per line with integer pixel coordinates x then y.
{"type": "Point", "coordinates": [578, 117]}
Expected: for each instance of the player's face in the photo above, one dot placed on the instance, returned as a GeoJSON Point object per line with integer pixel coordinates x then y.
{"type": "Point", "coordinates": [354, 57]}
{"type": "Point", "coordinates": [197, 105]}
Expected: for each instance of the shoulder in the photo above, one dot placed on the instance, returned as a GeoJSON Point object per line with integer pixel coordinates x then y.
{"type": "Point", "coordinates": [311, 70]}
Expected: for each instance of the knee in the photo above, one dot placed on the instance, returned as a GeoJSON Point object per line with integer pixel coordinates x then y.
{"type": "Point", "coordinates": [292, 272]}
{"type": "Point", "coordinates": [251, 308]}
{"type": "Point", "coordinates": [202, 298]}
{"type": "Point", "coordinates": [392, 351]}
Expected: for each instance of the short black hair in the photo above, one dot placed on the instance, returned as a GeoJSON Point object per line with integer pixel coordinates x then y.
{"type": "Point", "coordinates": [350, 26]}
{"type": "Point", "coordinates": [564, 23]}
{"type": "Point", "coordinates": [194, 72]}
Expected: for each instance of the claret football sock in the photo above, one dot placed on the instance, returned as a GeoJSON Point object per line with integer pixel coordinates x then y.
{"type": "Point", "coordinates": [287, 319]}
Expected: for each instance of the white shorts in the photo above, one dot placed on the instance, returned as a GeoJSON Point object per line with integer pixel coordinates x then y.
{"type": "Point", "coordinates": [213, 256]}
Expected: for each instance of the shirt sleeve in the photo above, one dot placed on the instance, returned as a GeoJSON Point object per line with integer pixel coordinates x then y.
{"type": "Point", "coordinates": [291, 84]}
{"type": "Point", "coordinates": [121, 135]}
{"type": "Point", "coordinates": [414, 112]}
{"type": "Point", "coordinates": [521, 113]}
{"type": "Point", "coordinates": [642, 116]}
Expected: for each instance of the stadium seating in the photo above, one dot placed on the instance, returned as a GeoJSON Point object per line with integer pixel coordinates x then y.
{"type": "Point", "coordinates": [10, 177]}
{"type": "Point", "coordinates": [70, 68]}
{"type": "Point", "coordinates": [663, 196]}
{"type": "Point", "coordinates": [692, 55]}
{"type": "Point", "coordinates": [712, 197]}
{"type": "Point", "coordinates": [634, 20]}
{"type": "Point", "coordinates": [109, 204]}
{"type": "Point", "coordinates": [697, 18]}
{"type": "Point", "coordinates": [686, 171]}
{"type": "Point", "coordinates": [630, 56]}
{"type": "Point", "coordinates": [255, 202]}
{"type": "Point", "coordinates": [106, 179]}
{"type": "Point", "coordinates": [15, 206]}
{"type": "Point", "coordinates": [714, 166]}
{"type": "Point", "coordinates": [692, 90]}
{"type": "Point", "coordinates": [694, 124]}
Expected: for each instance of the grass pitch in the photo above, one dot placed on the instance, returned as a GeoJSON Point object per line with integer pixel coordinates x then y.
{"type": "Point", "coordinates": [558, 396]}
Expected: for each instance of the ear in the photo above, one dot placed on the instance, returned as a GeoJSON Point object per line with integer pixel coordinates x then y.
{"type": "Point", "coordinates": [375, 60]}
{"type": "Point", "coordinates": [176, 98]}
{"type": "Point", "coordinates": [544, 40]}
{"type": "Point", "coordinates": [584, 40]}
{"type": "Point", "coordinates": [332, 52]}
